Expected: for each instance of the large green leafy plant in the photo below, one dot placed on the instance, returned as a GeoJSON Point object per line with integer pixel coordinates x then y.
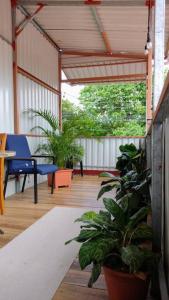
{"type": "Point", "coordinates": [60, 144]}
{"type": "Point", "coordinates": [114, 238]}
{"type": "Point", "coordinates": [133, 188]}
{"type": "Point", "coordinates": [131, 158]}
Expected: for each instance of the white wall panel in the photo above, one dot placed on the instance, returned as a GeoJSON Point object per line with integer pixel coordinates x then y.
{"type": "Point", "coordinates": [102, 153]}
{"type": "Point", "coordinates": [32, 95]}
{"type": "Point", "coordinates": [37, 56]}
{"type": "Point", "coordinates": [6, 75]}
{"type": "Point", "coordinates": [6, 88]}
{"type": "Point", "coordinates": [5, 19]}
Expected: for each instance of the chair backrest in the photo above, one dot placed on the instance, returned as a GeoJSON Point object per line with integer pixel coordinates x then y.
{"type": "Point", "coordinates": [19, 144]}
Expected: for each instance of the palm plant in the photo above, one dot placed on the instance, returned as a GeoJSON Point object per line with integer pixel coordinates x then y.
{"type": "Point", "coordinates": [60, 144]}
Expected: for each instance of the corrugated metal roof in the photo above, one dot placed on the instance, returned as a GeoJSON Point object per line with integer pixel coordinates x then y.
{"type": "Point", "coordinates": [106, 71]}
{"type": "Point", "coordinates": [73, 27]}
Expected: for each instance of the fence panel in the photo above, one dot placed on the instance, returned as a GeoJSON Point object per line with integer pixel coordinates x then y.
{"type": "Point", "coordinates": [102, 153]}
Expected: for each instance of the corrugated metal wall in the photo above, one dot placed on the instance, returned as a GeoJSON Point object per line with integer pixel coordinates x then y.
{"type": "Point", "coordinates": [32, 95]}
{"type": "Point", "coordinates": [6, 71]}
{"type": "Point", "coordinates": [6, 88]}
{"type": "Point", "coordinates": [5, 19]}
{"type": "Point", "coordinates": [102, 153]}
{"type": "Point", "coordinates": [6, 74]}
{"type": "Point", "coordinates": [38, 57]}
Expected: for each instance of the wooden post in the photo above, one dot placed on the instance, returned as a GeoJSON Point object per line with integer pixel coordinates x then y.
{"type": "Point", "coordinates": [149, 91]}
{"type": "Point", "coordinates": [59, 88]}
{"type": "Point", "coordinates": [14, 45]}
{"type": "Point", "coordinates": [2, 148]}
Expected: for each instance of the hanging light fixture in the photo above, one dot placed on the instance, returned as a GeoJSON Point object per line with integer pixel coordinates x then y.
{"type": "Point", "coordinates": [146, 50]}
{"type": "Point", "coordinates": [148, 45]}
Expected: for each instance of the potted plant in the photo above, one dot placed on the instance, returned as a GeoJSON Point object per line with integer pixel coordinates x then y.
{"type": "Point", "coordinates": [61, 145]}
{"type": "Point", "coordinates": [133, 187]}
{"type": "Point", "coordinates": [119, 238]}
{"type": "Point", "coordinates": [114, 239]}
{"type": "Point", "coordinates": [131, 158]}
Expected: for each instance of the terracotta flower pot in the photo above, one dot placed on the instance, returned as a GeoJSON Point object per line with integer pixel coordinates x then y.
{"type": "Point", "coordinates": [63, 177]}
{"type": "Point", "coordinates": [124, 286]}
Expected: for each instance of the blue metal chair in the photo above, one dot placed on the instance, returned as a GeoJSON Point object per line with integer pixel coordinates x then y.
{"type": "Point", "coordinates": [24, 163]}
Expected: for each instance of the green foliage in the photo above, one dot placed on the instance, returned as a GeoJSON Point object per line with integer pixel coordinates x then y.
{"type": "Point", "coordinates": [78, 119]}
{"type": "Point", "coordinates": [130, 159]}
{"type": "Point", "coordinates": [115, 236]}
{"type": "Point", "coordinates": [60, 144]}
{"type": "Point", "coordinates": [115, 242]}
{"type": "Point", "coordinates": [115, 109]}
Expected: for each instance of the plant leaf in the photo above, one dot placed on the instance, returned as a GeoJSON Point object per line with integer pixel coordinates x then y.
{"type": "Point", "coordinates": [87, 217]}
{"type": "Point", "coordinates": [95, 250]}
{"type": "Point", "coordinates": [109, 175]}
{"type": "Point", "coordinates": [133, 257]}
{"type": "Point", "coordinates": [143, 231]}
{"type": "Point", "coordinates": [96, 271]}
{"type": "Point", "coordinates": [106, 189]}
{"type": "Point", "coordinates": [138, 216]}
{"type": "Point", "coordinates": [115, 210]}
{"type": "Point", "coordinates": [85, 235]}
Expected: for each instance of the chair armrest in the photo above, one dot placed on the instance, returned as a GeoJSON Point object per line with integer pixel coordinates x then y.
{"type": "Point", "coordinates": [45, 156]}
{"type": "Point", "coordinates": [23, 159]}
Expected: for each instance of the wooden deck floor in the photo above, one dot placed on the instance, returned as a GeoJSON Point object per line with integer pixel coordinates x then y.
{"type": "Point", "coordinates": [74, 286]}
{"type": "Point", "coordinates": [21, 212]}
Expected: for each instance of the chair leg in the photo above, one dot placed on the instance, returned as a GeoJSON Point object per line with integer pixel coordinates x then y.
{"type": "Point", "coordinates": [24, 181]}
{"type": "Point", "coordinates": [6, 182]}
{"type": "Point", "coordinates": [35, 189]}
{"type": "Point", "coordinates": [53, 183]}
{"type": "Point", "coordinates": [81, 168]}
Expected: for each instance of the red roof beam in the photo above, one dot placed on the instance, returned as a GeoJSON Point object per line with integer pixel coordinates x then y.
{"type": "Point", "coordinates": [104, 78]}
{"type": "Point", "coordinates": [105, 54]}
{"type": "Point", "coordinates": [109, 81]}
{"type": "Point", "coordinates": [101, 29]}
{"type": "Point", "coordinates": [92, 2]}
{"type": "Point", "coordinates": [106, 64]}
{"type": "Point", "coordinates": [28, 19]}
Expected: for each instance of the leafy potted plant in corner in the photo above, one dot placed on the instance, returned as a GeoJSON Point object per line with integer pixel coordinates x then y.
{"type": "Point", "coordinates": [114, 239]}
{"type": "Point", "coordinates": [118, 238]}
{"type": "Point", "coordinates": [131, 158]}
{"type": "Point", "coordinates": [61, 145]}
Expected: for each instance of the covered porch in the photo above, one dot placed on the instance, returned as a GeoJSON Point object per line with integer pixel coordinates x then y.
{"type": "Point", "coordinates": [91, 42]}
